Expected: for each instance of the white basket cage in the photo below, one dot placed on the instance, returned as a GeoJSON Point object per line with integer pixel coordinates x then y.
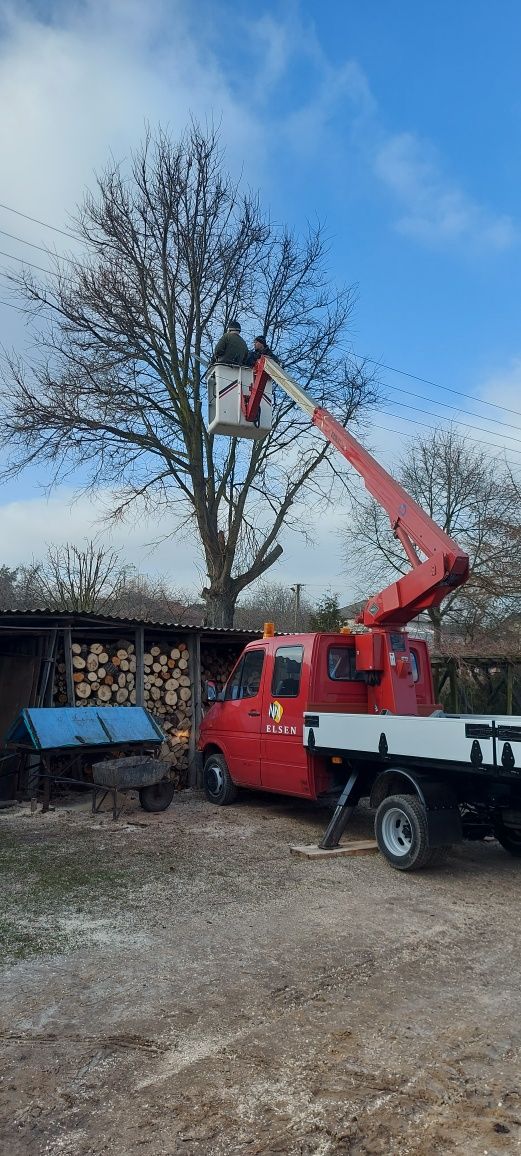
{"type": "Point", "coordinates": [227, 385]}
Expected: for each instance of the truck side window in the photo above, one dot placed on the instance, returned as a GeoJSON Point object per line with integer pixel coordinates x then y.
{"type": "Point", "coordinates": [246, 678]}
{"type": "Point", "coordinates": [415, 666]}
{"type": "Point", "coordinates": [286, 672]}
{"type": "Point", "coordinates": [341, 664]}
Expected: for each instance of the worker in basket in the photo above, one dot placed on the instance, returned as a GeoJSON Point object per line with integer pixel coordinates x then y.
{"type": "Point", "coordinates": [260, 349]}
{"type": "Point", "coordinates": [231, 349]}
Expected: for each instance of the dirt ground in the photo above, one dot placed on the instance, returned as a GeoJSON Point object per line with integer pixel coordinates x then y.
{"type": "Point", "coordinates": [179, 983]}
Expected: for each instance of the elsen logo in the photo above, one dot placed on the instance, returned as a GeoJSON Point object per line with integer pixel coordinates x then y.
{"type": "Point", "coordinates": [275, 711]}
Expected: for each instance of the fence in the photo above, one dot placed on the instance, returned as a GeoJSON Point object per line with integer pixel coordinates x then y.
{"type": "Point", "coordinates": [471, 684]}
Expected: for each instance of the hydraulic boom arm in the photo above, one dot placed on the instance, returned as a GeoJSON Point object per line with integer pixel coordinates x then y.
{"type": "Point", "coordinates": [443, 566]}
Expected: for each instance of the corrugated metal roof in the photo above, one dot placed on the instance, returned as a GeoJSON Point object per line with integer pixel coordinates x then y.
{"type": "Point", "coordinates": [77, 618]}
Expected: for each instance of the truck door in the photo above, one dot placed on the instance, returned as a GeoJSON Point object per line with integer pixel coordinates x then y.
{"type": "Point", "coordinates": [284, 761]}
{"type": "Point", "coordinates": [240, 718]}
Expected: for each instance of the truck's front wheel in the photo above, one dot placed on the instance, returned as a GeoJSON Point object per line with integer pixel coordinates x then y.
{"type": "Point", "coordinates": [402, 834]}
{"type": "Point", "coordinates": [217, 782]}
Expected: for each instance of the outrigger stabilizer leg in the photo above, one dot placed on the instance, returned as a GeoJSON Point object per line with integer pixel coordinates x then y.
{"type": "Point", "coordinates": [341, 815]}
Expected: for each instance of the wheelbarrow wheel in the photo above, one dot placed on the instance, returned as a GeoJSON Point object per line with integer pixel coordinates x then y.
{"type": "Point", "coordinates": [157, 796]}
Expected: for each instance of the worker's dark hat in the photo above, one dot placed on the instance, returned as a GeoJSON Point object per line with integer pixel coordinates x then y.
{"type": "Point", "coordinates": [262, 340]}
{"type": "Point", "coordinates": [234, 325]}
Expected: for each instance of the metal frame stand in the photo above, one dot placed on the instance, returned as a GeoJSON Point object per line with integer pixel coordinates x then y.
{"type": "Point", "coordinates": [104, 791]}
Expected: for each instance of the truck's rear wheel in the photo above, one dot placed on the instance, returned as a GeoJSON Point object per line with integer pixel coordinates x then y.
{"type": "Point", "coordinates": [510, 839]}
{"type": "Point", "coordinates": [402, 834]}
{"type": "Point", "coordinates": [217, 782]}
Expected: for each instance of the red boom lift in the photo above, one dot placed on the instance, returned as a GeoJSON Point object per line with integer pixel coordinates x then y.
{"type": "Point", "coordinates": [428, 582]}
{"type": "Point", "coordinates": [359, 710]}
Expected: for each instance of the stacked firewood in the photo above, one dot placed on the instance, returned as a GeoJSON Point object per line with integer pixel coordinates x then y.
{"type": "Point", "coordinates": [59, 697]}
{"type": "Point", "coordinates": [168, 695]}
{"type": "Point", "coordinates": [217, 663]}
{"type": "Point", "coordinates": [105, 674]}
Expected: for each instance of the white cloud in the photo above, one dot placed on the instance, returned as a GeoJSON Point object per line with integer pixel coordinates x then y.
{"type": "Point", "coordinates": [270, 40]}
{"type": "Point", "coordinates": [434, 208]}
{"type": "Point", "coordinates": [503, 388]}
{"type": "Point", "coordinates": [311, 130]}
{"type": "Point", "coordinates": [80, 85]}
{"type": "Point", "coordinates": [74, 88]}
{"type": "Point", "coordinates": [28, 526]}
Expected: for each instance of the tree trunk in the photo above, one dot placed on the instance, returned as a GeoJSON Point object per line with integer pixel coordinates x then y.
{"type": "Point", "coordinates": [436, 617]}
{"type": "Point", "coordinates": [220, 607]}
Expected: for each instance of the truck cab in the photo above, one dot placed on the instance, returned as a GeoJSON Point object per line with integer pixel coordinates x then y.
{"type": "Point", "coordinates": [253, 735]}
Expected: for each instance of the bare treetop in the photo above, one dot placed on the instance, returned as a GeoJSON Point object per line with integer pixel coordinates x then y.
{"type": "Point", "coordinates": [473, 498]}
{"type": "Point", "coordinates": [173, 249]}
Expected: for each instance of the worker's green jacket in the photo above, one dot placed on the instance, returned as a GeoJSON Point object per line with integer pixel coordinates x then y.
{"type": "Point", "coordinates": [231, 349]}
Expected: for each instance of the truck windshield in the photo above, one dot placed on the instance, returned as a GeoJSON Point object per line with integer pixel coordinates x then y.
{"type": "Point", "coordinates": [341, 664]}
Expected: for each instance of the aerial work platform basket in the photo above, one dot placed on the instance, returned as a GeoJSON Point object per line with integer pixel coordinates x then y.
{"type": "Point", "coordinates": [227, 386]}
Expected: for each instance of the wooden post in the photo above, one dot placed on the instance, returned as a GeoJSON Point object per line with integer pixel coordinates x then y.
{"type": "Point", "coordinates": [67, 652]}
{"type": "Point", "coordinates": [453, 679]}
{"type": "Point", "coordinates": [194, 651]}
{"type": "Point", "coordinates": [140, 666]}
{"type": "Point", "coordinates": [48, 664]}
{"type": "Point", "coordinates": [510, 687]}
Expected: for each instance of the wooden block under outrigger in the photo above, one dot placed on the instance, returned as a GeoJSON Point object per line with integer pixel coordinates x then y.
{"type": "Point", "coordinates": [355, 847]}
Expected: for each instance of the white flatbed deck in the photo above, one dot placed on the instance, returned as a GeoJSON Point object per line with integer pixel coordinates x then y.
{"type": "Point", "coordinates": [480, 741]}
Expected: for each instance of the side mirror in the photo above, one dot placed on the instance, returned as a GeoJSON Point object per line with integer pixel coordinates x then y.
{"type": "Point", "coordinates": [210, 692]}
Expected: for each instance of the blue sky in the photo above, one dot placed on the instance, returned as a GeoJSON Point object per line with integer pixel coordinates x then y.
{"type": "Point", "coordinates": [396, 123]}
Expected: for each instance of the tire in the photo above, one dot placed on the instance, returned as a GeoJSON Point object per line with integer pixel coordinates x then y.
{"type": "Point", "coordinates": [218, 784]}
{"type": "Point", "coordinates": [402, 834]}
{"type": "Point", "coordinates": [157, 796]}
{"type": "Point", "coordinates": [510, 839]}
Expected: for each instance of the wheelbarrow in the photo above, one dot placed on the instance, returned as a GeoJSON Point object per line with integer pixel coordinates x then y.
{"type": "Point", "coordinates": [135, 773]}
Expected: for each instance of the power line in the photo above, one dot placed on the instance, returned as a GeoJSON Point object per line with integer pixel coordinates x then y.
{"type": "Point", "coordinates": [399, 417]}
{"type": "Point", "coordinates": [41, 248]}
{"type": "Point", "coordinates": [22, 261]}
{"type": "Point", "coordinates": [363, 357]}
{"type": "Point", "coordinates": [465, 424]}
{"type": "Point", "coordinates": [436, 384]}
{"type": "Point", "coordinates": [401, 432]}
{"type": "Point", "coordinates": [374, 425]}
{"type": "Point", "coordinates": [37, 221]}
{"type": "Point", "coordinates": [372, 360]}
{"type": "Point", "coordinates": [446, 405]}
{"type": "Point", "coordinates": [434, 428]}
{"type": "Point", "coordinates": [18, 308]}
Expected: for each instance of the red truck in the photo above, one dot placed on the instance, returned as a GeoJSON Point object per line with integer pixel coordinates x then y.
{"type": "Point", "coordinates": [351, 715]}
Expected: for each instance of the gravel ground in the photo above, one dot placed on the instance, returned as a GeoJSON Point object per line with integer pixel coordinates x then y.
{"type": "Point", "coordinates": [179, 983]}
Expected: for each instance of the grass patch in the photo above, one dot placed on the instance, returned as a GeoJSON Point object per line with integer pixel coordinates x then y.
{"type": "Point", "coordinates": [18, 943]}
{"type": "Point", "coordinates": [50, 875]}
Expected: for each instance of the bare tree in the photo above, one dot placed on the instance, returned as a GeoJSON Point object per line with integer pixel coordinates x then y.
{"type": "Point", "coordinates": [153, 599]}
{"type": "Point", "coordinates": [273, 602]}
{"type": "Point", "coordinates": [8, 588]}
{"type": "Point", "coordinates": [174, 249]}
{"type": "Point", "coordinates": [472, 497]}
{"type": "Point", "coordinates": [20, 588]}
{"type": "Point", "coordinates": [75, 579]}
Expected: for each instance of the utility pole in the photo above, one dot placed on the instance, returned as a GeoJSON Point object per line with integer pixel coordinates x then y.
{"type": "Point", "coordinates": [296, 590]}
